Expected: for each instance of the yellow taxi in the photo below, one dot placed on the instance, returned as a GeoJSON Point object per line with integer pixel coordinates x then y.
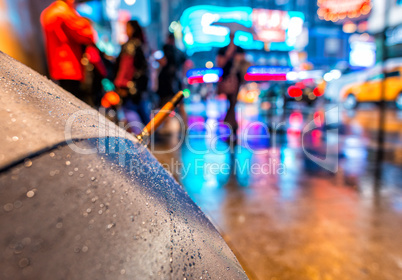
{"type": "Point", "coordinates": [371, 90]}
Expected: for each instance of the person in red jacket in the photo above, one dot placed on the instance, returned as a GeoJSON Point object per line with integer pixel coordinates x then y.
{"type": "Point", "coordinates": [65, 33]}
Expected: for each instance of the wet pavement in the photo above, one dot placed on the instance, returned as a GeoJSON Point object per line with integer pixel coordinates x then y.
{"type": "Point", "coordinates": [294, 205]}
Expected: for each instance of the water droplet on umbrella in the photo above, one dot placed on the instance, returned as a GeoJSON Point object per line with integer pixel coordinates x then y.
{"type": "Point", "coordinates": [31, 193]}
{"type": "Point", "coordinates": [28, 163]}
{"type": "Point", "coordinates": [23, 262]}
{"type": "Point", "coordinates": [18, 248]}
{"type": "Point", "coordinates": [68, 162]}
{"type": "Point", "coordinates": [8, 207]}
{"type": "Point", "coordinates": [26, 241]}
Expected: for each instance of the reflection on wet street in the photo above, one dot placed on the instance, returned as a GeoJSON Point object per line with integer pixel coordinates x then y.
{"type": "Point", "coordinates": [297, 203]}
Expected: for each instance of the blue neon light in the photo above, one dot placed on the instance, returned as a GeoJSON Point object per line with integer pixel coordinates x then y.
{"type": "Point", "coordinates": [91, 10]}
{"type": "Point", "coordinates": [268, 70]}
{"type": "Point", "coordinates": [203, 71]}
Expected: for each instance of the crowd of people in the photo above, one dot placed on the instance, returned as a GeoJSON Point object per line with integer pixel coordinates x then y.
{"type": "Point", "coordinates": [78, 66]}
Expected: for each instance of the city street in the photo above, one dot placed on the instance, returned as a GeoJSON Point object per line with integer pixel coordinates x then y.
{"type": "Point", "coordinates": [186, 139]}
{"type": "Point", "coordinates": [287, 217]}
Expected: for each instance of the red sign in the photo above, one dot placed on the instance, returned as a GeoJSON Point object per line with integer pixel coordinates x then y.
{"type": "Point", "coordinates": [270, 25]}
{"type": "Point", "coordinates": [334, 10]}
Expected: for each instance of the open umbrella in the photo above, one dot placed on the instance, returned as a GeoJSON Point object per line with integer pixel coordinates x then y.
{"type": "Point", "coordinates": [234, 27]}
{"type": "Point", "coordinates": [82, 199]}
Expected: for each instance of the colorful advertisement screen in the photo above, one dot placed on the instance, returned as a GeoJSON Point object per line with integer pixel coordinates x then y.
{"type": "Point", "coordinates": [205, 27]}
{"type": "Point", "coordinates": [362, 54]}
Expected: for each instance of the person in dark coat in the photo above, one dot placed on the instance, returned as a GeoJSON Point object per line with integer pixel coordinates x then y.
{"type": "Point", "coordinates": [169, 80]}
{"type": "Point", "coordinates": [132, 76]}
{"type": "Point", "coordinates": [229, 58]}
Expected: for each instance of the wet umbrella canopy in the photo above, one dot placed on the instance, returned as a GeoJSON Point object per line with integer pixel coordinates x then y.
{"type": "Point", "coordinates": [109, 211]}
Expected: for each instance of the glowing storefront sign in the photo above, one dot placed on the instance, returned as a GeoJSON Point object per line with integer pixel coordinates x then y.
{"type": "Point", "coordinates": [276, 26]}
{"type": "Point", "coordinates": [362, 54]}
{"type": "Point", "coordinates": [362, 50]}
{"type": "Point", "coordinates": [394, 36]}
{"type": "Point", "coordinates": [139, 10]}
{"type": "Point", "coordinates": [204, 75]}
{"type": "Point", "coordinates": [266, 73]}
{"type": "Point", "coordinates": [334, 10]}
{"type": "Point", "coordinates": [202, 30]}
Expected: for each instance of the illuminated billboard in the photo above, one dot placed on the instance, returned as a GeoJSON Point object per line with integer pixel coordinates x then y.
{"type": "Point", "coordinates": [205, 27]}
{"type": "Point", "coordinates": [266, 73]}
{"type": "Point", "coordinates": [362, 54]}
{"type": "Point", "coordinates": [362, 50]}
{"type": "Point", "coordinates": [204, 75]}
{"type": "Point", "coordinates": [139, 10]}
{"type": "Point", "coordinates": [334, 10]}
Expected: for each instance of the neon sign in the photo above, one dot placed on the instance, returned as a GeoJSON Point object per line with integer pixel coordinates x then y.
{"type": "Point", "coordinates": [202, 32]}
{"type": "Point", "coordinates": [334, 10]}
{"type": "Point", "coordinates": [276, 26]}
{"type": "Point", "coordinates": [204, 75]}
{"type": "Point", "coordinates": [266, 73]}
{"type": "Point", "coordinates": [362, 54]}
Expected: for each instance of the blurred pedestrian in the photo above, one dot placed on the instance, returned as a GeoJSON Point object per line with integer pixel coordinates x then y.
{"type": "Point", "coordinates": [132, 72]}
{"type": "Point", "coordinates": [96, 68]}
{"type": "Point", "coordinates": [95, 71]}
{"type": "Point", "coordinates": [230, 59]}
{"type": "Point", "coordinates": [169, 79]}
{"type": "Point", "coordinates": [65, 32]}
